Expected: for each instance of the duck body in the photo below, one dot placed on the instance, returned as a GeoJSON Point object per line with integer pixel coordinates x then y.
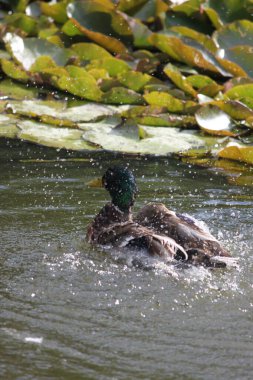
{"type": "Point", "coordinates": [116, 228]}
{"type": "Point", "coordinates": [160, 231]}
{"type": "Point", "coordinates": [201, 246]}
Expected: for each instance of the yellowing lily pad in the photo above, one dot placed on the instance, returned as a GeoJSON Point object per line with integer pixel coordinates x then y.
{"type": "Point", "coordinates": [178, 79]}
{"type": "Point", "coordinates": [88, 51]}
{"type": "Point", "coordinates": [238, 152]}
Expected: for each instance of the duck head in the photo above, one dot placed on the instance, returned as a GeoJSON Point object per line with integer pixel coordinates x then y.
{"type": "Point", "coordinates": [120, 183]}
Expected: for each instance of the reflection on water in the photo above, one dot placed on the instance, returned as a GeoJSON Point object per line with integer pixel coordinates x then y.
{"type": "Point", "coordinates": [70, 311]}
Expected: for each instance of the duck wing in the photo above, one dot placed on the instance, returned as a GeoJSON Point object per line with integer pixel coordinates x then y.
{"type": "Point", "coordinates": [185, 230]}
{"type": "Point", "coordinates": [131, 234]}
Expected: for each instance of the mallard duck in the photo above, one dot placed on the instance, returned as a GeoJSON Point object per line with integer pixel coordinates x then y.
{"type": "Point", "coordinates": [160, 231]}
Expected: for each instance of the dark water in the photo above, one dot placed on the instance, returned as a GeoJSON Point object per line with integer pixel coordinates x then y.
{"type": "Point", "coordinates": [72, 312]}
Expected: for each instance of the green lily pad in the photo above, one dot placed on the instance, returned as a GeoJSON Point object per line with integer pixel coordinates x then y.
{"type": "Point", "coordinates": [21, 21]}
{"type": "Point", "coordinates": [14, 71]}
{"type": "Point", "coordinates": [13, 90]}
{"type": "Point", "coordinates": [202, 38]}
{"type": "Point", "coordinates": [213, 120]}
{"type": "Point", "coordinates": [237, 33]}
{"type": "Point", "coordinates": [88, 51]}
{"type": "Point", "coordinates": [122, 95]}
{"type": "Point", "coordinates": [27, 50]}
{"type": "Point", "coordinates": [100, 22]}
{"type": "Point", "coordinates": [113, 66]}
{"type": "Point", "coordinates": [182, 52]}
{"type": "Point", "coordinates": [56, 11]}
{"type": "Point", "coordinates": [46, 135]}
{"type": "Point", "coordinates": [136, 81]}
{"type": "Point", "coordinates": [178, 79]}
{"type": "Point", "coordinates": [8, 128]}
{"type": "Point", "coordinates": [230, 10]}
{"type": "Point", "coordinates": [238, 152]}
{"type": "Point", "coordinates": [239, 92]}
{"type": "Point", "coordinates": [234, 108]}
{"type": "Point", "coordinates": [80, 83]}
{"type": "Point", "coordinates": [167, 120]}
{"type": "Point", "coordinates": [164, 99]}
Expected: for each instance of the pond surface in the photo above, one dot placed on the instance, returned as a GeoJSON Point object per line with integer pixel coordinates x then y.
{"type": "Point", "coordinates": [72, 312]}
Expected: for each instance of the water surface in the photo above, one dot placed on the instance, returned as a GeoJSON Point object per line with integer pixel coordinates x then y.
{"type": "Point", "coordinates": [69, 311]}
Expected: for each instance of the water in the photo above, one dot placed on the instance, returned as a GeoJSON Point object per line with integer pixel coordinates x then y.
{"type": "Point", "coordinates": [69, 311]}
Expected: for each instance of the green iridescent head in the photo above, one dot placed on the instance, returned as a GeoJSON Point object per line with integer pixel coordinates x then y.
{"type": "Point", "coordinates": [120, 183]}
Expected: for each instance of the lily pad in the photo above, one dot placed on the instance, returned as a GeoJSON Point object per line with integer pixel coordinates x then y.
{"type": "Point", "coordinates": [14, 71]}
{"type": "Point", "coordinates": [56, 11]}
{"type": "Point", "coordinates": [27, 50]}
{"type": "Point", "coordinates": [164, 99]}
{"type": "Point", "coordinates": [121, 95]}
{"type": "Point", "coordinates": [213, 120]}
{"type": "Point", "coordinates": [238, 152]}
{"type": "Point", "coordinates": [8, 128]}
{"type": "Point", "coordinates": [178, 79]}
{"type": "Point", "coordinates": [100, 22]}
{"type": "Point", "coordinates": [158, 141]}
{"type": "Point", "coordinates": [241, 91]}
{"type": "Point", "coordinates": [20, 20]}
{"type": "Point", "coordinates": [113, 66]}
{"type": "Point", "coordinates": [61, 138]}
{"type": "Point", "coordinates": [136, 81]}
{"type": "Point", "coordinates": [55, 112]}
{"type": "Point", "coordinates": [80, 83]}
{"type": "Point", "coordinates": [89, 51]}
{"type": "Point", "coordinates": [12, 90]}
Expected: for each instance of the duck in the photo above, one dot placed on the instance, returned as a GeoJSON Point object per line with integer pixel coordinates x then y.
{"type": "Point", "coordinates": [161, 232]}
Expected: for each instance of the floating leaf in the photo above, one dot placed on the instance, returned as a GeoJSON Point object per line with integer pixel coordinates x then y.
{"type": "Point", "coordinates": [61, 138]}
{"type": "Point", "coordinates": [163, 99]}
{"type": "Point", "coordinates": [241, 91]}
{"type": "Point", "coordinates": [13, 90]}
{"type": "Point", "coordinates": [238, 152]}
{"type": "Point", "coordinates": [202, 38]}
{"type": "Point", "coordinates": [113, 66]}
{"type": "Point", "coordinates": [136, 80]}
{"type": "Point", "coordinates": [100, 22]}
{"type": "Point", "coordinates": [121, 95]}
{"type": "Point", "coordinates": [237, 33]}
{"type": "Point", "coordinates": [234, 108]}
{"type": "Point", "coordinates": [89, 51]}
{"type": "Point", "coordinates": [55, 112]}
{"type": "Point", "coordinates": [167, 120]}
{"type": "Point", "coordinates": [158, 141]}
{"type": "Point", "coordinates": [192, 56]}
{"type": "Point", "coordinates": [214, 121]}
{"type": "Point", "coordinates": [14, 71]}
{"type": "Point", "coordinates": [178, 79]}
{"type": "Point", "coordinates": [27, 50]}
{"type": "Point", "coordinates": [56, 11]}
{"type": "Point", "coordinates": [23, 22]}
{"type": "Point", "coordinates": [8, 128]}
{"type": "Point", "coordinates": [229, 10]}
{"type": "Point", "coordinates": [80, 83]}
